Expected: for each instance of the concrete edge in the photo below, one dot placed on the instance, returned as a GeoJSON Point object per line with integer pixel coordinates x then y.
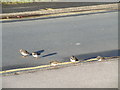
{"type": "Point", "coordinates": [43, 66]}
{"type": "Point", "coordinates": [50, 11]}
{"type": "Point", "coordinates": [61, 64]}
{"type": "Point", "coordinates": [57, 15]}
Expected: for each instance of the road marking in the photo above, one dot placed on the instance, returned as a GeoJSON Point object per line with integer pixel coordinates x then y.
{"type": "Point", "coordinates": [40, 67]}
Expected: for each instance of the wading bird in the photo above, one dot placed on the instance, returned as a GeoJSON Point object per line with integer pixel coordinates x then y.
{"type": "Point", "coordinates": [24, 53]}
{"type": "Point", "coordinates": [73, 59]}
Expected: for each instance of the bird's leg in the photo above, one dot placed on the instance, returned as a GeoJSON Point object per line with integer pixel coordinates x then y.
{"type": "Point", "coordinates": [37, 57]}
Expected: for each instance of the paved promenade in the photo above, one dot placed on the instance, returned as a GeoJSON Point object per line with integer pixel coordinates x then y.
{"type": "Point", "coordinates": [87, 75]}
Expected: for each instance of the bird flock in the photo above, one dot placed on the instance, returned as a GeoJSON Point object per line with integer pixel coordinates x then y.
{"type": "Point", "coordinates": [25, 53]}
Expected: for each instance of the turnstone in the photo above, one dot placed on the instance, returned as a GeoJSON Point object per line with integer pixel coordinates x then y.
{"type": "Point", "coordinates": [99, 58]}
{"type": "Point", "coordinates": [35, 54]}
{"type": "Point", "coordinates": [24, 52]}
{"type": "Point", "coordinates": [16, 73]}
{"type": "Point", "coordinates": [54, 63]}
{"type": "Point", "coordinates": [73, 59]}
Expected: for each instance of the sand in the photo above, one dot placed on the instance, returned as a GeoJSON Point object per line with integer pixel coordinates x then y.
{"type": "Point", "coordinates": [87, 75]}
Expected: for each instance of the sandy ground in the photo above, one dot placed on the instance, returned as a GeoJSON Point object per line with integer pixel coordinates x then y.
{"type": "Point", "coordinates": [87, 75]}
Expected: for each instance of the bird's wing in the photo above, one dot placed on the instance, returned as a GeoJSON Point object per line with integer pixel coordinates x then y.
{"type": "Point", "coordinates": [26, 52]}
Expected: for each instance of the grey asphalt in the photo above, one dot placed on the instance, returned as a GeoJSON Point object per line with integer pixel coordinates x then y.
{"type": "Point", "coordinates": [12, 8]}
{"type": "Point", "coordinates": [58, 38]}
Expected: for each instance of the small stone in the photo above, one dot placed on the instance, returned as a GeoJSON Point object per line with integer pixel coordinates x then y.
{"type": "Point", "coordinates": [77, 44]}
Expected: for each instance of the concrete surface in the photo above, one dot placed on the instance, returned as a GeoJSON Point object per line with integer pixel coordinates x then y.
{"type": "Point", "coordinates": [58, 38]}
{"type": "Point", "coordinates": [87, 75]}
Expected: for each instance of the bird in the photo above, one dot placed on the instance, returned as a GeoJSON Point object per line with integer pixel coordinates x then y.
{"type": "Point", "coordinates": [54, 63]}
{"type": "Point", "coordinates": [73, 59]}
{"type": "Point", "coordinates": [16, 73]}
{"type": "Point", "coordinates": [24, 53]}
{"type": "Point", "coordinates": [35, 54]}
{"type": "Point", "coordinates": [99, 58]}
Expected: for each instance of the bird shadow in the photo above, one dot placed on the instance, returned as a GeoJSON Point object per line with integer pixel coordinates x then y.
{"type": "Point", "coordinates": [49, 54]}
{"type": "Point", "coordinates": [40, 51]}
{"type": "Point", "coordinates": [86, 56]}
